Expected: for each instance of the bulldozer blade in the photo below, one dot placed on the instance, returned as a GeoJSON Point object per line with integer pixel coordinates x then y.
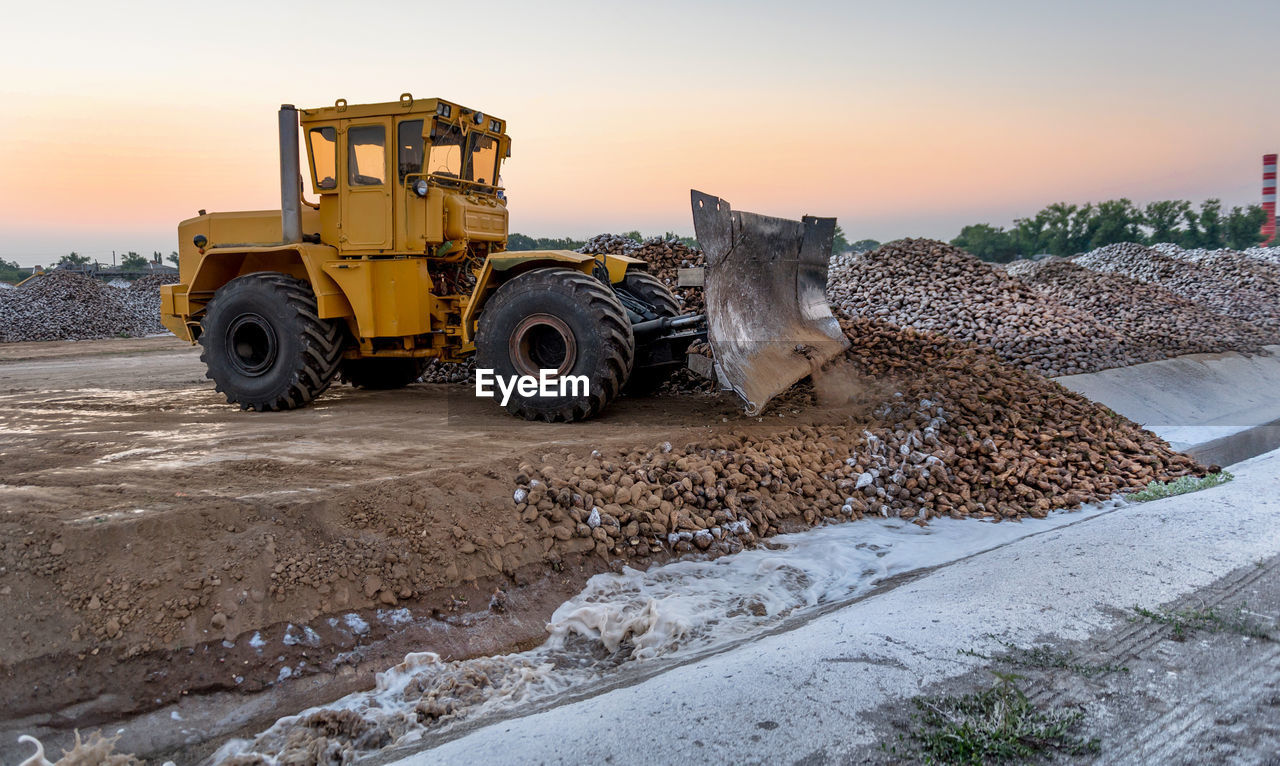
{"type": "Point", "coordinates": [768, 320]}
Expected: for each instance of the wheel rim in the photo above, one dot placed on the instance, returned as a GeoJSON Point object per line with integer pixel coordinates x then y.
{"type": "Point", "coordinates": [542, 342]}
{"type": "Point", "coordinates": [251, 345]}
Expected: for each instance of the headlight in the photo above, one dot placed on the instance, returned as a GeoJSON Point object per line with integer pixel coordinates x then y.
{"type": "Point", "coordinates": [479, 118]}
{"type": "Point", "coordinates": [420, 188]}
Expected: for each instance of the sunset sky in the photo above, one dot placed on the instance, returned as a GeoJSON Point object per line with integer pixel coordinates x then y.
{"type": "Point", "coordinates": [901, 119]}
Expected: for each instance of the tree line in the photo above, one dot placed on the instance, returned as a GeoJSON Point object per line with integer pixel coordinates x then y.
{"type": "Point", "coordinates": [1066, 229]}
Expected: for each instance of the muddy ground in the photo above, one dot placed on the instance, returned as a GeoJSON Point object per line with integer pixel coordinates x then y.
{"type": "Point", "coordinates": [144, 519]}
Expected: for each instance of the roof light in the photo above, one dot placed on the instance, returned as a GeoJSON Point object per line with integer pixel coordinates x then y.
{"type": "Point", "coordinates": [444, 110]}
{"type": "Point", "coordinates": [479, 118]}
{"type": "Point", "coordinates": [495, 126]}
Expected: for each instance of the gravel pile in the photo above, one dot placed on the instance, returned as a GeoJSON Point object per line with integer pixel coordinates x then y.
{"type": "Point", "coordinates": [64, 305]}
{"type": "Point", "coordinates": [665, 257]}
{"type": "Point", "coordinates": [1156, 323]}
{"type": "Point", "coordinates": [934, 286]}
{"type": "Point", "coordinates": [1223, 281]}
{"type": "Point", "coordinates": [964, 436]}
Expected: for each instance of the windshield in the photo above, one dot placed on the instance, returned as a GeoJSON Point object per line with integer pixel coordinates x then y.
{"type": "Point", "coordinates": [483, 165]}
{"type": "Point", "coordinates": [446, 151]}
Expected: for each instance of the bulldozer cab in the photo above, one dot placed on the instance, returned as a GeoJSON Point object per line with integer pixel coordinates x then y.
{"type": "Point", "coordinates": [413, 176]}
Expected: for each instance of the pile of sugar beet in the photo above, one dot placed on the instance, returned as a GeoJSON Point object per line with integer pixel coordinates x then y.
{"type": "Point", "coordinates": [1118, 306]}
{"type": "Point", "coordinates": [906, 424]}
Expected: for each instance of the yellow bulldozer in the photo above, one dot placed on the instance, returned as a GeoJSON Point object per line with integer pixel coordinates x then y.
{"type": "Point", "coordinates": [403, 259]}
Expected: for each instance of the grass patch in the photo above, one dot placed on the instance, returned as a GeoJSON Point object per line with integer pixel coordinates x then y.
{"type": "Point", "coordinates": [1045, 657]}
{"type": "Point", "coordinates": [997, 725]}
{"type": "Point", "coordinates": [1187, 622]}
{"type": "Point", "coordinates": [1156, 490]}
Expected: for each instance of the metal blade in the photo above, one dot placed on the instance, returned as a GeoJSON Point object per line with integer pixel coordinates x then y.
{"type": "Point", "coordinates": [768, 320]}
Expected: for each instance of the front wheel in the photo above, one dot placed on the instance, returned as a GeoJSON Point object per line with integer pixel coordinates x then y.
{"type": "Point", "coordinates": [264, 345]}
{"type": "Point", "coordinates": [560, 320]}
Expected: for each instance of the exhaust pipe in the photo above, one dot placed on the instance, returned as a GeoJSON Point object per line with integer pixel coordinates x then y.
{"type": "Point", "coordinates": [290, 173]}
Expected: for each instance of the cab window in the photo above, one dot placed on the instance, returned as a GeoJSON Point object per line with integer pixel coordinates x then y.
{"type": "Point", "coordinates": [446, 151]}
{"type": "Point", "coordinates": [366, 155]}
{"type": "Point", "coordinates": [483, 163]}
{"type": "Point", "coordinates": [324, 157]}
{"type": "Point", "coordinates": [409, 146]}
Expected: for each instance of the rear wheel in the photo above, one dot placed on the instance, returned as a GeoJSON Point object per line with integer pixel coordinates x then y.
{"type": "Point", "coordinates": [561, 320]}
{"type": "Point", "coordinates": [648, 288]}
{"type": "Point", "coordinates": [264, 345]}
{"type": "Point", "coordinates": [381, 374]}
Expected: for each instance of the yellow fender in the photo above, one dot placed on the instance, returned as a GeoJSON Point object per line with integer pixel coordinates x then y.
{"type": "Point", "coordinates": [220, 265]}
{"type": "Point", "coordinates": [499, 267]}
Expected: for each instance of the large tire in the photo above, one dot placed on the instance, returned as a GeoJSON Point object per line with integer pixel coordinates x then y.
{"type": "Point", "coordinates": [557, 318]}
{"type": "Point", "coordinates": [381, 373]}
{"type": "Point", "coordinates": [648, 288]}
{"type": "Point", "coordinates": [265, 347]}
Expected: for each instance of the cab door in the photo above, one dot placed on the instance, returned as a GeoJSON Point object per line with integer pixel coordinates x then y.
{"type": "Point", "coordinates": [366, 186]}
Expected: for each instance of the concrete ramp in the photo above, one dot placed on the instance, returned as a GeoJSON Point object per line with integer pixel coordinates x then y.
{"type": "Point", "coordinates": [1221, 408]}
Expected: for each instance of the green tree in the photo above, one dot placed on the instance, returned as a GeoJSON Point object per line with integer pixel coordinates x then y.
{"type": "Point", "coordinates": [1081, 228]}
{"type": "Point", "coordinates": [525, 242]}
{"type": "Point", "coordinates": [1164, 219]}
{"type": "Point", "coordinates": [1244, 226]}
{"type": "Point", "coordinates": [1058, 227]}
{"type": "Point", "coordinates": [864, 245]}
{"type": "Point", "coordinates": [1192, 236]}
{"type": "Point", "coordinates": [839, 244]}
{"type": "Point", "coordinates": [131, 261]}
{"type": "Point", "coordinates": [172, 257]}
{"type": "Point", "coordinates": [1116, 220]}
{"type": "Point", "coordinates": [1213, 233]}
{"type": "Point", "coordinates": [990, 243]}
{"type": "Point", "coordinates": [519, 241]}
{"type": "Point", "coordinates": [10, 271]}
{"type": "Point", "coordinates": [73, 259]}
{"type": "Point", "coordinates": [1029, 235]}
{"type": "Point", "coordinates": [634, 235]}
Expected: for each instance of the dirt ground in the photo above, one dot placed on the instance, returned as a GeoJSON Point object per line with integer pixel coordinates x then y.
{"type": "Point", "coordinates": [158, 544]}
{"type": "Point", "coordinates": [142, 517]}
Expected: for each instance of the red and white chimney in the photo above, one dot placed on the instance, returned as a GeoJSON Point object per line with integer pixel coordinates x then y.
{"type": "Point", "coordinates": [1269, 198]}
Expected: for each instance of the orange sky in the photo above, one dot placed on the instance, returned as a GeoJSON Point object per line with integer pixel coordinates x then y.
{"type": "Point", "coordinates": [906, 121]}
